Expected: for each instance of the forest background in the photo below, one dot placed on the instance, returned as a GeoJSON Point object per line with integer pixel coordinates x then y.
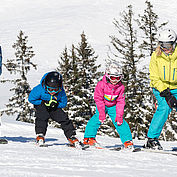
{"type": "Point", "coordinates": [131, 45]}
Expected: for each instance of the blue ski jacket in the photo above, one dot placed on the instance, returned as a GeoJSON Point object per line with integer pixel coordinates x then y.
{"type": "Point", "coordinates": [39, 93]}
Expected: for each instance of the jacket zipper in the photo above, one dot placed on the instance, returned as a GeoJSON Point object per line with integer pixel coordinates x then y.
{"type": "Point", "coordinates": [169, 73]}
{"type": "Point", "coordinates": [173, 73]}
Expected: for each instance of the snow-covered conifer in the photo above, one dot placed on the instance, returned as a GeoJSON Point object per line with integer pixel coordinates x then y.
{"type": "Point", "coordinates": [19, 67]}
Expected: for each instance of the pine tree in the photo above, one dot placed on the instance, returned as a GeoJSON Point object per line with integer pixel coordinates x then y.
{"type": "Point", "coordinates": [68, 65]}
{"type": "Point", "coordinates": [20, 66]}
{"type": "Point", "coordinates": [148, 23]}
{"type": "Point", "coordinates": [126, 46]}
{"type": "Point", "coordinates": [88, 75]}
{"type": "Point", "coordinates": [81, 81]}
{"type": "Point", "coordinates": [146, 103]}
{"type": "Point", "coordinates": [65, 68]}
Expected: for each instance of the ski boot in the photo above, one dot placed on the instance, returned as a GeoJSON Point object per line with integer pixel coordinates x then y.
{"type": "Point", "coordinates": [74, 142]}
{"type": "Point", "coordinates": [91, 142]}
{"type": "Point", "coordinates": [40, 140]}
{"type": "Point", "coordinates": [153, 143]}
{"type": "Point", "coordinates": [128, 145]}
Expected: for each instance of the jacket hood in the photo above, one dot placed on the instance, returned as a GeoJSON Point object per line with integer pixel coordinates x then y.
{"type": "Point", "coordinates": [43, 78]}
{"type": "Point", "coordinates": [171, 57]}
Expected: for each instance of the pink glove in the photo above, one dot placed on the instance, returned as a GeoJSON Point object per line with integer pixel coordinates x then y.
{"type": "Point", "coordinates": [102, 118]}
{"type": "Point", "coordinates": [119, 120]}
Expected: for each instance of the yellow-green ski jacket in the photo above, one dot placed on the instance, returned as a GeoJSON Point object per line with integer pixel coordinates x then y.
{"type": "Point", "coordinates": [163, 71]}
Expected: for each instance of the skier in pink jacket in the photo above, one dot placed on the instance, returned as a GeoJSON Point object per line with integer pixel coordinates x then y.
{"type": "Point", "coordinates": [109, 98]}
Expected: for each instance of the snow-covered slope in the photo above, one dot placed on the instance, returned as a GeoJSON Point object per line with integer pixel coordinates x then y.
{"type": "Point", "coordinates": [22, 158]}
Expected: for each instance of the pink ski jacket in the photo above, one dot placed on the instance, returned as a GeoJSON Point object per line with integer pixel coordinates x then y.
{"type": "Point", "coordinates": [109, 95]}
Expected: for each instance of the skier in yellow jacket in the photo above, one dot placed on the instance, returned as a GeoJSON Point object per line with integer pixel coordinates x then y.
{"type": "Point", "coordinates": [163, 76]}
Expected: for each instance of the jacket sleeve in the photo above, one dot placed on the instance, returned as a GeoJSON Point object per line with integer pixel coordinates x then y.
{"type": "Point", "coordinates": [62, 99]}
{"type": "Point", "coordinates": [34, 96]}
{"type": "Point", "coordinates": [156, 82]}
{"type": "Point", "coordinates": [120, 102]}
{"type": "Point", "coordinates": [99, 99]}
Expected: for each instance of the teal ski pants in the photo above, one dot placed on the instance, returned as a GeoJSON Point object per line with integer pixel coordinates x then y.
{"type": "Point", "coordinates": [94, 123]}
{"type": "Point", "coordinates": [161, 114]}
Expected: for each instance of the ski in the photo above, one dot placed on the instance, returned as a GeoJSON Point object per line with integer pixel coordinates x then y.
{"type": "Point", "coordinates": [3, 141]}
{"type": "Point", "coordinates": [119, 148]}
{"type": "Point", "coordinates": [135, 149]}
{"type": "Point", "coordinates": [43, 145]}
{"type": "Point", "coordinates": [172, 152]}
{"type": "Point", "coordinates": [115, 149]}
{"type": "Point", "coordinates": [78, 145]}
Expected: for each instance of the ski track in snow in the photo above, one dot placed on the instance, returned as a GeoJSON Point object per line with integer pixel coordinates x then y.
{"type": "Point", "coordinates": [21, 157]}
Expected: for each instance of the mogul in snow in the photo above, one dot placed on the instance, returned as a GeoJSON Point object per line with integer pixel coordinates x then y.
{"type": "Point", "coordinates": [109, 98]}
{"type": "Point", "coordinates": [49, 98]}
{"type": "Point", "coordinates": [163, 76]}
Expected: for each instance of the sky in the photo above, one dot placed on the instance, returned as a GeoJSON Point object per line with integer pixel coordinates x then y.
{"type": "Point", "coordinates": [52, 25]}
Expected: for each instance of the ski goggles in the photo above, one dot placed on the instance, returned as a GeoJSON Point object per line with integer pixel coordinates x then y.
{"type": "Point", "coordinates": [115, 77]}
{"type": "Point", "coordinates": [166, 45]}
{"type": "Point", "coordinates": [53, 89]}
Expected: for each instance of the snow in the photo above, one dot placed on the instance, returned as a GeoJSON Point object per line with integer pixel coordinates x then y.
{"type": "Point", "coordinates": [51, 25]}
{"type": "Point", "coordinates": [22, 158]}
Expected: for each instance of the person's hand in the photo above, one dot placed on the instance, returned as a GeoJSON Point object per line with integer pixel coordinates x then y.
{"type": "Point", "coordinates": [51, 105]}
{"type": "Point", "coordinates": [119, 120]}
{"type": "Point", "coordinates": [170, 99]}
{"type": "Point", "coordinates": [102, 118]}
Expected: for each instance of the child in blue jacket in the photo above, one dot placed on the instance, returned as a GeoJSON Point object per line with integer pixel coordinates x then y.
{"type": "Point", "coordinates": [48, 99]}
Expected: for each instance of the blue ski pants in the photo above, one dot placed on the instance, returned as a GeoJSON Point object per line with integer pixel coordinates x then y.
{"type": "Point", "coordinates": [94, 123]}
{"type": "Point", "coordinates": [161, 114]}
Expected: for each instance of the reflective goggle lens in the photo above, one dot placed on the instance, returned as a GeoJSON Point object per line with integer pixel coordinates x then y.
{"type": "Point", "coordinates": [52, 89]}
{"type": "Point", "coordinates": [115, 77]}
{"type": "Point", "coordinates": [166, 45]}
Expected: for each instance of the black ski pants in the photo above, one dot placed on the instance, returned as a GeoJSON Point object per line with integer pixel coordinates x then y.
{"type": "Point", "coordinates": [43, 115]}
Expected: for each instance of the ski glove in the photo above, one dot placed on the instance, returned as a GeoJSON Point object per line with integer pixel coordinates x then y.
{"type": "Point", "coordinates": [170, 99]}
{"type": "Point", "coordinates": [119, 120]}
{"type": "Point", "coordinates": [51, 105]}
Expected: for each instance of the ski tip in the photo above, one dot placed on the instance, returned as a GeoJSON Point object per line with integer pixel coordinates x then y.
{"type": "Point", "coordinates": [44, 145]}
{"type": "Point", "coordinates": [136, 149]}
{"type": "Point", "coordinates": [116, 149]}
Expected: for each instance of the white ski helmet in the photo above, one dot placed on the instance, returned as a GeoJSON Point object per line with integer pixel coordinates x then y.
{"type": "Point", "coordinates": [114, 72]}
{"type": "Point", "coordinates": [167, 38]}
